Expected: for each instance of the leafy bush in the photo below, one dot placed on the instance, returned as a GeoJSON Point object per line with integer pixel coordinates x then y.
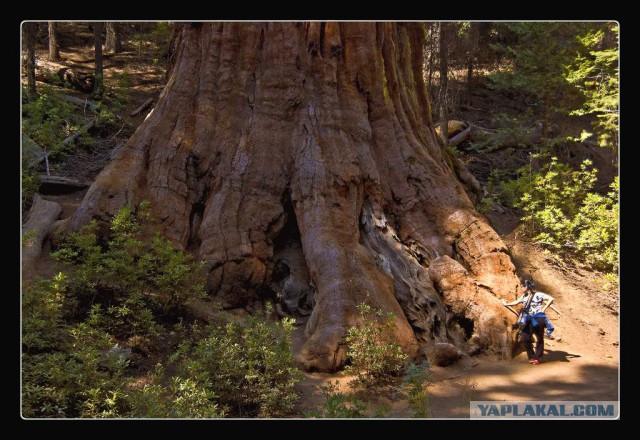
{"type": "Point", "coordinates": [42, 313]}
{"type": "Point", "coordinates": [184, 398]}
{"type": "Point", "coordinates": [121, 288]}
{"type": "Point", "coordinates": [140, 278]}
{"type": "Point", "coordinates": [512, 131]}
{"type": "Point", "coordinates": [49, 119]}
{"type": "Point", "coordinates": [562, 211]}
{"type": "Point", "coordinates": [67, 370]}
{"type": "Point", "coordinates": [338, 405]}
{"type": "Point", "coordinates": [248, 365]}
{"type": "Point", "coordinates": [29, 180]}
{"type": "Point", "coordinates": [415, 382]}
{"type": "Point", "coordinates": [504, 188]}
{"type": "Point", "coordinates": [71, 323]}
{"type": "Point", "coordinates": [595, 73]}
{"type": "Point", "coordinates": [372, 358]}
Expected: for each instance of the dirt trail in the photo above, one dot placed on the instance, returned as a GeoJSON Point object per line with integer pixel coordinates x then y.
{"type": "Point", "coordinates": [582, 365]}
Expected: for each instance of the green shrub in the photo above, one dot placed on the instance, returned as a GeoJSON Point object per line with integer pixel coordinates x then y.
{"type": "Point", "coordinates": [505, 188]}
{"type": "Point", "coordinates": [42, 313]}
{"type": "Point", "coordinates": [73, 375]}
{"type": "Point", "coordinates": [249, 366]}
{"type": "Point", "coordinates": [561, 210]}
{"type": "Point", "coordinates": [511, 131]}
{"type": "Point", "coordinates": [338, 405]}
{"type": "Point", "coordinates": [416, 382]}
{"type": "Point", "coordinates": [140, 278]}
{"type": "Point", "coordinates": [372, 359]}
{"type": "Point", "coordinates": [49, 119]}
{"type": "Point", "coordinates": [595, 72]}
{"type": "Point", "coordinates": [120, 288]}
{"type": "Point", "coordinates": [184, 398]}
{"type": "Point", "coordinates": [30, 184]}
{"type": "Point", "coordinates": [114, 290]}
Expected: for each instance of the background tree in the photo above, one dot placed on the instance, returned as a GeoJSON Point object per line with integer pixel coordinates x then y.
{"type": "Point", "coordinates": [113, 42]}
{"type": "Point", "coordinates": [595, 72]}
{"type": "Point", "coordinates": [445, 29]}
{"type": "Point", "coordinates": [54, 49]}
{"type": "Point", "coordinates": [539, 53]}
{"type": "Point", "coordinates": [99, 73]}
{"type": "Point", "coordinates": [30, 31]}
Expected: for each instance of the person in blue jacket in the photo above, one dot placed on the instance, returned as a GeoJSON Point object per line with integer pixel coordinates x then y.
{"type": "Point", "coordinates": [535, 320]}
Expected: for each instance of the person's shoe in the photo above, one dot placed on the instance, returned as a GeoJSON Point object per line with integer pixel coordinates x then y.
{"type": "Point", "coordinates": [535, 362]}
{"type": "Point", "coordinates": [549, 334]}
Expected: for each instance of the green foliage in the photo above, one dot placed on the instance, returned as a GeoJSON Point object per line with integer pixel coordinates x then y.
{"type": "Point", "coordinates": [505, 188]}
{"type": "Point", "coordinates": [42, 305]}
{"type": "Point", "coordinates": [248, 365]}
{"type": "Point", "coordinates": [338, 405]}
{"type": "Point", "coordinates": [30, 184]}
{"type": "Point", "coordinates": [183, 398]}
{"type": "Point", "coordinates": [416, 382]}
{"type": "Point", "coordinates": [161, 32]}
{"type": "Point", "coordinates": [594, 71]}
{"type": "Point", "coordinates": [561, 210]}
{"type": "Point", "coordinates": [511, 131]}
{"type": "Point", "coordinates": [539, 53]}
{"type": "Point", "coordinates": [49, 119]}
{"type": "Point", "coordinates": [373, 359]}
{"type": "Point", "coordinates": [117, 88]}
{"type": "Point", "coordinates": [115, 291]}
{"type": "Point", "coordinates": [145, 278]}
{"type": "Point", "coordinates": [68, 369]}
{"type": "Point", "coordinates": [597, 223]}
{"type": "Point", "coordinates": [611, 281]}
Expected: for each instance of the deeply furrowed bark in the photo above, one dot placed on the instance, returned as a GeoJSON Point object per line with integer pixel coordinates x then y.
{"type": "Point", "coordinates": [273, 140]}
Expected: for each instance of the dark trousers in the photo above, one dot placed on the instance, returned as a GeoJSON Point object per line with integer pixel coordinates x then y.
{"type": "Point", "coordinates": [526, 335]}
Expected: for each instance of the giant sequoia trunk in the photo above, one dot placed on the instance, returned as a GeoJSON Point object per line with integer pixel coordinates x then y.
{"type": "Point", "coordinates": [300, 158]}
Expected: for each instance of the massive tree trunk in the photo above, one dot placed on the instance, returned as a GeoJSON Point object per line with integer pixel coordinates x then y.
{"type": "Point", "coordinates": [311, 146]}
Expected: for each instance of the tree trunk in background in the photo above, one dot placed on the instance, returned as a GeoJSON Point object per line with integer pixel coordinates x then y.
{"type": "Point", "coordinates": [474, 35]}
{"type": "Point", "coordinates": [30, 30]}
{"type": "Point", "coordinates": [444, 80]}
{"type": "Point", "coordinates": [310, 145]}
{"type": "Point", "coordinates": [113, 43]}
{"type": "Point", "coordinates": [54, 49]}
{"type": "Point", "coordinates": [97, 38]}
{"type": "Point", "coordinates": [432, 31]}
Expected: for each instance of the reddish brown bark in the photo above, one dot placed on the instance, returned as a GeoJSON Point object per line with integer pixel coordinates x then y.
{"type": "Point", "coordinates": [312, 143]}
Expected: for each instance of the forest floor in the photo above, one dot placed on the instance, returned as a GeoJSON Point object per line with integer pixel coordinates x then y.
{"type": "Point", "coordinates": [581, 365]}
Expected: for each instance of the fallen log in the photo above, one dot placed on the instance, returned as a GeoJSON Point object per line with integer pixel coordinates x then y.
{"type": "Point", "coordinates": [42, 217]}
{"type": "Point", "coordinates": [77, 134]}
{"type": "Point", "coordinates": [453, 128]}
{"type": "Point", "coordinates": [75, 78]}
{"type": "Point", "coordinates": [460, 137]}
{"type": "Point", "coordinates": [80, 102]}
{"type": "Point", "coordinates": [144, 105]}
{"type": "Point", "coordinates": [59, 185]}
